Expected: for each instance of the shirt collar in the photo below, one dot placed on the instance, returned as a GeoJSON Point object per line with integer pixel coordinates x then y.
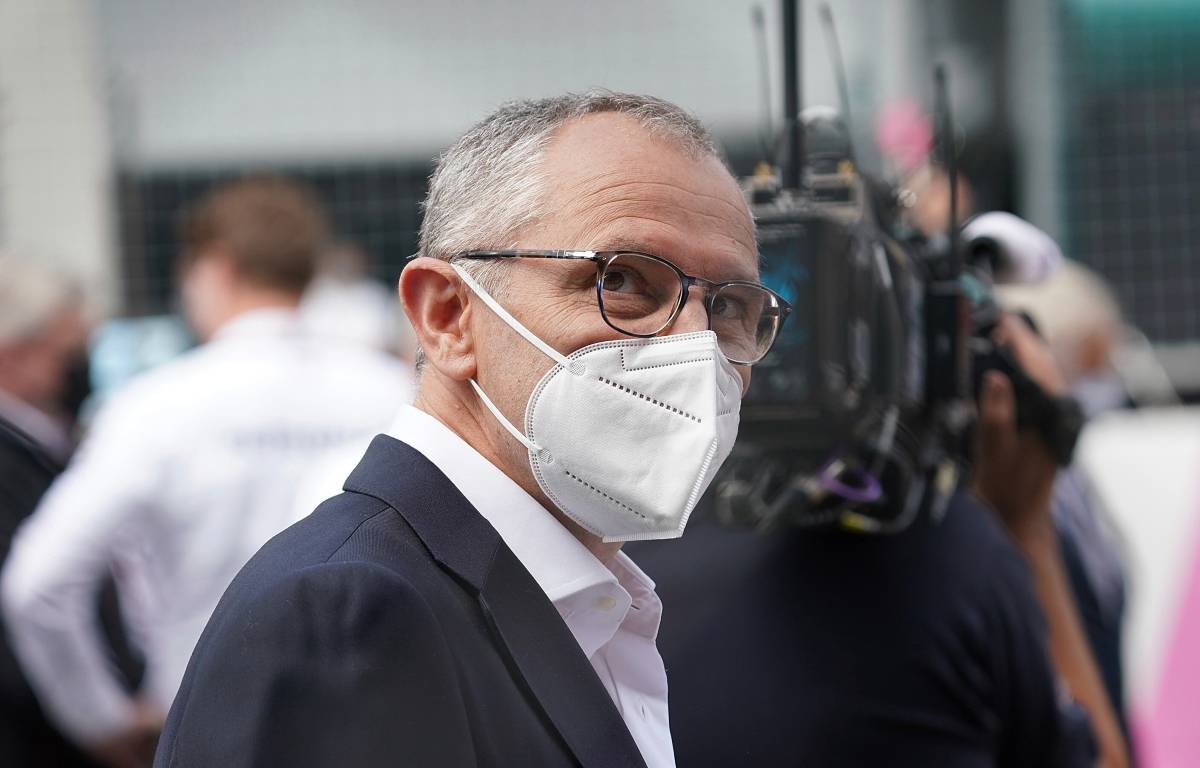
{"type": "Point", "coordinates": [273, 321]}
{"type": "Point", "coordinates": [594, 601]}
{"type": "Point", "coordinates": [45, 430]}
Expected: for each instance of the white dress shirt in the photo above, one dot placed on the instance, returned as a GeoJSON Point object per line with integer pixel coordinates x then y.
{"type": "Point", "coordinates": [185, 474]}
{"type": "Point", "coordinates": [613, 611]}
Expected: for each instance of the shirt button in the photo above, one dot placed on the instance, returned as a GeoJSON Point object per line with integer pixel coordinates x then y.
{"type": "Point", "coordinates": [606, 603]}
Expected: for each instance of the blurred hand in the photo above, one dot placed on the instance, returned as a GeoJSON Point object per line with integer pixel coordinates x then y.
{"type": "Point", "coordinates": [134, 748]}
{"type": "Point", "coordinates": [1014, 471]}
{"type": "Point", "coordinates": [1031, 352]}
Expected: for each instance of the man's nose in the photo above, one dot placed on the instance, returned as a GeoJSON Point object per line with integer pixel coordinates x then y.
{"type": "Point", "coordinates": [693, 316]}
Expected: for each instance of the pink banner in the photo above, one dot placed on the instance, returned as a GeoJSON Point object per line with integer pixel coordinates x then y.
{"type": "Point", "coordinates": [1168, 735]}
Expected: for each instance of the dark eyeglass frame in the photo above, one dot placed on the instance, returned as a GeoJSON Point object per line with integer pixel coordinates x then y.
{"type": "Point", "coordinates": [603, 258]}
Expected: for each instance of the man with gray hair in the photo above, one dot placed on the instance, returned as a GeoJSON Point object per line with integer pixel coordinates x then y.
{"type": "Point", "coordinates": [189, 469]}
{"type": "Point", "coordinates": [587, 305]}
{"type": "Point", "coordinates": [43, 342]}
{"type": "Point", "coordinates": [43, 346]}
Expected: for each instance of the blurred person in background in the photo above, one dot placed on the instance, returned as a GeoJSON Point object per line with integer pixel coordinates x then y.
{"type": "Point", "coordinates": [343, 304]}
{"type": "Point", "coordinates": [1078, 316]}
{"type": "Point", "coordinates": [43, 378]}
{"type": "Point", "coordinates": [943, 644]}
{"type": "Point", "coordinates": [190, 469]}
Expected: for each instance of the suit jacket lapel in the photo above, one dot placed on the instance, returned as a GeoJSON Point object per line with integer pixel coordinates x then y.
{"type": "Point", "coordinates": [554, 667]}
{"type": "Point", "coordinates": [525, 623]}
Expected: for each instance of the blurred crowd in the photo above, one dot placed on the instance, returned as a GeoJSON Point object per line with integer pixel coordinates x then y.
{"type": "Point", "coordinates": [119, 536]}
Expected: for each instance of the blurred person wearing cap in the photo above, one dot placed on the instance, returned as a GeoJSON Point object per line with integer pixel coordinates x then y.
{"type": "Point", "coordinates": [465, 602]}
{"type": "Point", "coordinates": [190, 469]}
{"type": "Point", "coordinates": [1078, 315]}
{"type": "Point", "coordinates": [1079, 318]}
{"type": "Point", "coordinates": [43, 370]}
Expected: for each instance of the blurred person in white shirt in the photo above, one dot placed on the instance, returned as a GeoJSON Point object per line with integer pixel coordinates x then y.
{"type": "Point", "coordinates": [344, 304]}
{"type": "Point", "coordinates": [191, 468]}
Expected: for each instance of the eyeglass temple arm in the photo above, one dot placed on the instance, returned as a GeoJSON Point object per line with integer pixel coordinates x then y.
{"type": "Point", "coordinates": [581, 255]}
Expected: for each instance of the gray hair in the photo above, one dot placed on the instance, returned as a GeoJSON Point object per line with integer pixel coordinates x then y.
{"type": "Point", "coordinates": [31, 297]}
{"type": "Point", "coordinates": [490, 185]}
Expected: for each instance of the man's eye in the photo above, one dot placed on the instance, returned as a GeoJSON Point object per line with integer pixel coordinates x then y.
{"type": "Point", "coordinates": [617, 280]}
{"type": "Point", "coordinates": [728, 308]}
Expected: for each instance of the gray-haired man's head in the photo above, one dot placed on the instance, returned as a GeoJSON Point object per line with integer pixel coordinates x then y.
{"type": "Point", "coordinates": [43, 333]}
{"type": "Point", "coordinates": [601, 172]}
{"type": "Point", "coordinates": [491, 184]}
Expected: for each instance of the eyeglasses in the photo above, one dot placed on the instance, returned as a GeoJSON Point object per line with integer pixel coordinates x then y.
{"type": "Point", "coordinates": [641, 295]}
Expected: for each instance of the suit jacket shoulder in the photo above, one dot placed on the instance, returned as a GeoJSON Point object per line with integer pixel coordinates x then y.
{"type": "Point", "coordinates": [391, 625]}
{"type": "Point", "coordinates": [305, 651]}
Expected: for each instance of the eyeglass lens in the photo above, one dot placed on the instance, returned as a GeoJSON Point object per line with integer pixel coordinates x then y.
{"type": "Point", "coordinates": [639, 294]}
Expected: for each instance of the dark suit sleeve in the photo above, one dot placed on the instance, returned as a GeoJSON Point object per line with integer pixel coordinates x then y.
{"type": "Point", "coordinates": [1042, 726]}
{"type": "Point", "coordinates": [342, 664]}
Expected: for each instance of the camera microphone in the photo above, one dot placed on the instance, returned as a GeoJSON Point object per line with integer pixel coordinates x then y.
{"type": "Point", "coordinates": [1016, 251]}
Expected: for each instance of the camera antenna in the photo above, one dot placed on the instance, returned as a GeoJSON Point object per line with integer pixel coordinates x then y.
{"type": "Point", "coordinates": [792, 95]}
{"type": "Point", "coordinates": [947, 361]}
{"type": "Point", "coordinates": [769, 143]}
{"type": "Point", "coordinates": [839, 69]}
{"type": "Point", "coordinates": [945, 130]}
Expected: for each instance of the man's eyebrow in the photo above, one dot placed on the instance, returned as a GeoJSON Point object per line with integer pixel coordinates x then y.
{"type": "Point", "coordinates": [626, 244]}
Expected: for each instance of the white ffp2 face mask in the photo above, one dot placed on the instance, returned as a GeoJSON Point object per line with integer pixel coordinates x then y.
{"type": "Point", "coordinates": [625, 436]}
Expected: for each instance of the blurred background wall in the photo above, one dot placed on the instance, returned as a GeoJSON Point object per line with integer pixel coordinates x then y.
{"type": "Point", "coordinates": [1078, 114]}
{"type": "Point", "coordinates": [56, 142]}
{"type": "Point", "coordinates": [360, 96]}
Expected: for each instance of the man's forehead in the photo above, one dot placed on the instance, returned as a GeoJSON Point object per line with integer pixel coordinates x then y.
{"type": "Point", "coordinates": [618, 186]}
{"type": "Point", "coordinates": [611, 144]}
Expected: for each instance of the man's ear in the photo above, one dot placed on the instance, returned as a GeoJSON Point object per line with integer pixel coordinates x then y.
{"type": "Point", "coordinates": [432, 295]}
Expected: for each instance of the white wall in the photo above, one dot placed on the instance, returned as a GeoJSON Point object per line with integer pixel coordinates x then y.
{"type": "Point", "coordinates": [55, 152]}
{"type": "Point", "coordinates": [237, 79]}
{"type": "Point", "coordinates": [168, 83]}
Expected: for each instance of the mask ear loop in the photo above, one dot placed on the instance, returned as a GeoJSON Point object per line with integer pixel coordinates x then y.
{"type": "Point", "coordinates": [514, 323]}
{"type": "Point", "coordinates": [487, 401]}
{"type": "Point", "coordinates": [528, 335]}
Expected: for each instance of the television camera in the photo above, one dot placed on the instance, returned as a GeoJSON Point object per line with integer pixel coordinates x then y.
{"type": "Point", "coordinates": [861, 415]}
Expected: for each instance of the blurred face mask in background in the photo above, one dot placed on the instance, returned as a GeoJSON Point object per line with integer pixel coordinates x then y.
{"type": "Point", "coordinates": [625, 436]}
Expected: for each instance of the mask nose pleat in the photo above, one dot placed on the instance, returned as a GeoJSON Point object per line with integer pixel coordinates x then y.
{"type": "Point", "coordinates": [653, 400]}
{"type": "Point", "coordinates": [648, 435]}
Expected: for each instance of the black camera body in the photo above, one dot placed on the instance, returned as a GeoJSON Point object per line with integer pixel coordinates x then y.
{"type": "Point", "coordinates": [867, 399]}
{"type": "Point", "coordinates": [861, 415]}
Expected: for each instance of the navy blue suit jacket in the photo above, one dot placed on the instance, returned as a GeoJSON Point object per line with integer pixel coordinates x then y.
{"type": "Point", "coordinates": [392, 627]}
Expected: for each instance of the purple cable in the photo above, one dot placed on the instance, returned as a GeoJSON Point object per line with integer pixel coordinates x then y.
{"type": "Point", "coordinates": [868, 490]}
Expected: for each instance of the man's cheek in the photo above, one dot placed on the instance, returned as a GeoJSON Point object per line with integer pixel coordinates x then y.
{"type": "Point", "coordinates": [568, 326]}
